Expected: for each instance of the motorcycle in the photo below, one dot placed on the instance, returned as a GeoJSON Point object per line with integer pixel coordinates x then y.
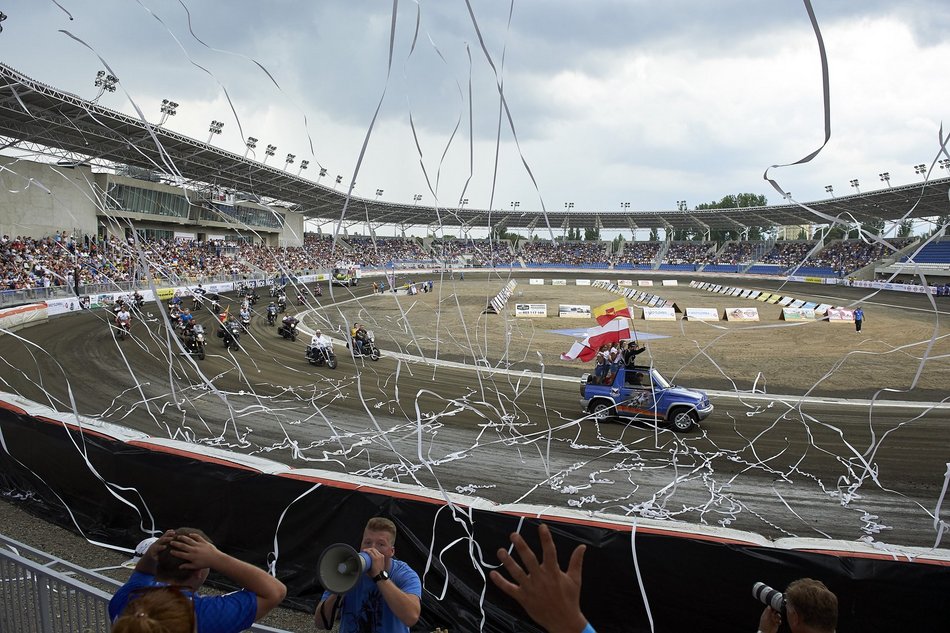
{"type": "Point", "coordinates": [125, 329]}
{"type": "Point", "coordinates": [271, 315]}
{"type": "Point", "coordinates": [370, 348]}
{"type": "Point", "coordinates": [195, 341]}
{"type": "Point", "coordinates": [282, 303]}
{"type": "Point", "coordinates": [318, 291]}
{"type": "Point", "coordinates": [288, 330]}
{"type": "Point", "coordinates": [231, 333]}
{"type": "Point", "coordinates": [246, 321]}
{"type": "Point", "coordinates": [321, 355]}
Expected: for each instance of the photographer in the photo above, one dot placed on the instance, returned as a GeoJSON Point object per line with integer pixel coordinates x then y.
{"type": "Point", "coordinates": [810, 607]}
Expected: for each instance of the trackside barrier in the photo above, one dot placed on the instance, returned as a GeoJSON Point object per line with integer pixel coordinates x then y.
{"type": "Point", "coordinates": [45, 594]}
{"type": "Point", "coordinates": [261, 510]}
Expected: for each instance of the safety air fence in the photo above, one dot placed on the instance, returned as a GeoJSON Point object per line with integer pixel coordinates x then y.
{"type": "Point", "coordinates": [109, 483]}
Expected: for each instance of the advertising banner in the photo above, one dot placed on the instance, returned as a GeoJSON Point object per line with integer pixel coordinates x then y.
{"type": "Point", "coordinates": [735, 292]}
{"type": "Point", "coordinates": [68, 304]}
{"type": "Point", "coordinates": [814, 280]}
{"type": "Point", "coordinates": [626, 283]}
{"type": "Point", "coordinates": [755, 294]}
{"type": "Point", "coordinates": [659, 314]}
{"type": "Point", "coordinates": [531, 309]}
{"type": "Point", "coordinates": [773, 299]}
{"type": "Point", "coordinates": [670, 282]}
{"type": "Point", "coordinates": [654, 300]}
{"type": "Point", "coordinates": [797, 303]}
{"type": "Point", "coordinates": [645, 282]}
{"type": "Point", "coordinates": [797, 314]}
{"type": "Point", "coordinates": [559, 282]}
{"type": "Point", "coordinates": [840, 315]}
{"type": "Point", "coordinates": [810, 304]}
{"type": "Point", "coordinates": [534, 281]}
{"type": "Point", "coordinates": [822, 308]}
{"type": "Point", "coordinates": [570, 311]}
{"type": "Point", "coordinates": [784, 301]}
{"type": "Point", "coordinates": [745, 294]}
{"type": "Point", "coordinates": [765, 296]}
{"type": "Point", "coordinates": [741, 314]}
{"type": "Point", "coordinates": [701, 314]}
{"type": "Point", "coordinates": [582, 282]}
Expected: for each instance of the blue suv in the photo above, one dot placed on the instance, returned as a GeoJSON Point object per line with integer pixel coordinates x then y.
{"type": "Point", "coordinates": [642, 393]}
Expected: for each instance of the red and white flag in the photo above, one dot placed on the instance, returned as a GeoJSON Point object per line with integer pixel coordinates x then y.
{"type": "Point", "coordinates": [611, 332]}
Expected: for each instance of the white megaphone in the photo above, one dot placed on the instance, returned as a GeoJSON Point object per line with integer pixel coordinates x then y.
{"type": "Point", "coordinates": [340, 567]}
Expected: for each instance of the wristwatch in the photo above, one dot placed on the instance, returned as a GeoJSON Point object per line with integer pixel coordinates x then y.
{"type": "Point", "coordinates": [383, 575]}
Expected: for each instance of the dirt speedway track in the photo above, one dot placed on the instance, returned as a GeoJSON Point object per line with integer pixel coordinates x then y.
{"type": "Point", "coordinates": [779, 467]}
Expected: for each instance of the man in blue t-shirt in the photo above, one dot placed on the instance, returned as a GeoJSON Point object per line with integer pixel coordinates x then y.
{"type": "Point", "coordinates": [184, 557]}
{"type": "Point", "coordinates": [386, 599]}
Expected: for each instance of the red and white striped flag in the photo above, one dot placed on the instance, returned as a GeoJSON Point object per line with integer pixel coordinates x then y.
{"type": "Point", "coordinates": [611, 332]}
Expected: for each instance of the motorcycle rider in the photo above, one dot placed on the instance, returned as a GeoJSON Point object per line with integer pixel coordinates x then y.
{"type": "Point", "coordinates": [198, 295]}
{"type": "Point", "coordinates": [359, 337]}
{"type": "Point", "coordinates": [245, 317]}
{"type": "Point", "coordinates": [282, 302]}
{"type": "Point", "coordinates": [185, 319]}
{"type": "Point", "coordinates": [271, 312]}
{"type": "Point", "coordinates": [123, 319]}
{"type": "Point", "coordinates": [289, 322]}
{"type": "Point", "coordinates": [138, 300]}
{"type": "Point", "coordinates": [320, 343]}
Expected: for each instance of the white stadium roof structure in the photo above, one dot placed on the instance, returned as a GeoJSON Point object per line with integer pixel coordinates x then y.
{"type": "Point", "coordinates": [41, 119]}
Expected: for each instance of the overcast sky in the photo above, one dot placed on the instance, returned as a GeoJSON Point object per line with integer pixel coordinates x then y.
{"type": "Point", "coordinates": [611, 101]}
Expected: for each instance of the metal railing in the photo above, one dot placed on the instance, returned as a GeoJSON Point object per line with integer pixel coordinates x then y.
{"type": "Point", "coordinates": [40, 593]}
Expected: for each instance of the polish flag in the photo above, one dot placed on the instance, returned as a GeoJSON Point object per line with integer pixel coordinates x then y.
{"type": "Point", "coordinates": [612, 332]}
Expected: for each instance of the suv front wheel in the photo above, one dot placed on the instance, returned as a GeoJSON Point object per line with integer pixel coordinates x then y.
{"type": "Point", "coordinates": [684, 420]}
{"type": "Point", "coordinates": [602, 410]}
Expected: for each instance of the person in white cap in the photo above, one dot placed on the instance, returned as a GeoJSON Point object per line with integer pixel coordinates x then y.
{"type": "Point", "coordinates": [139, 552]}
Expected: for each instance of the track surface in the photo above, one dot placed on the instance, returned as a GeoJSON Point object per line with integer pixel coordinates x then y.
{"type": "Point", "coordinates": [777, 468]}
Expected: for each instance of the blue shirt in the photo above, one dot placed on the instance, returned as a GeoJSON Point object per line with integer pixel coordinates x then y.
{"type": "Point", "coordinates": [230, 613]}
{"type": "Point", "coordinates": [366, 611]}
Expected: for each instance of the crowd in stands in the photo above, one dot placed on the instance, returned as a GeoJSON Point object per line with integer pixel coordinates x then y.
{"type": "Point", "coordinates": [690, 252]}
{"type": "Point", "coordinates": [27, 262]}
{"type": "Point", "coordinates": [789, 253]}
{"type": "Point", "coordinates": [738, 252]}
{"type": "Point", "coordinates": [638, 253]}
{"type": "Point", "coordinates": [383, 250]}
{"type": "Point", "coordinates": [545, 252]}
{"type": "Point", "coordinates": [847, 256]}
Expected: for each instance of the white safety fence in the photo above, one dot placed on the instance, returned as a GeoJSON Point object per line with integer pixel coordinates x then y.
{"type": "Point", "coordinates": [40, 593]}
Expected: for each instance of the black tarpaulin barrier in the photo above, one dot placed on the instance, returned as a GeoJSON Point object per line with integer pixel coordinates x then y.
{"type": "Point", "coordinates": [691, 581]}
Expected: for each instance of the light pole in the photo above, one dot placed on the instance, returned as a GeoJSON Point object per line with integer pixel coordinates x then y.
{"type": "Point", "coordinates": [681, 205]}
{"type": "Point", "coordinates": [416, 198]}
{"type": "Point", "coordinates": [787, 195]}
{"type": "Point", "coordinates": [921, 170]}
{"type": "Point", "coordinates": [856, 185]}
{"type": "Point", "coordinates": [105, 83]}
{"type": "Point", "coordinates": [886, 178]}
{"type": "Point", "coordinates": [269, 151]}
{"type": "Point", "coordinates": [379, 192]}
{"type": "Point", "coordinates": [339, 179]}
{"type": "Point", "coordinates": [515, 205]}
{"type": "Point", "coordinates": [214, 128]}
{"type": "Point", "coordinates": [624, 206]}
{"type": "Point", "coordinates": [830, 189]}
{"type": "Point", "coordinates": [944, 163]}
{"type": "Point", "coordinates": [251, 144]}
{"type": "Point", "coordinates": [462, 203]}
{"type": "Point", "coordinates": [289, 161]}
{"type": "Point", "coordinates": [303, 165]}
{"type": "Point", "coordinates": [169, 108]}
{"type": "Point", "coordinates": [323, 172]}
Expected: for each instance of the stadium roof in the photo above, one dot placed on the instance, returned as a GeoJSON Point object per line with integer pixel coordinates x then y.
{"type": "Point", "coordinates": [40, 118]}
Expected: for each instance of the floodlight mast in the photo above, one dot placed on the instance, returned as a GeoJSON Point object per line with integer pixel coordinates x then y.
{"type": "Point", "coordinates": [105, 82]}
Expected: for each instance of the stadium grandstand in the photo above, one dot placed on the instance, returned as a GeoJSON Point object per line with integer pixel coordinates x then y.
{"type": "Point", "coordinates": [95, 201]}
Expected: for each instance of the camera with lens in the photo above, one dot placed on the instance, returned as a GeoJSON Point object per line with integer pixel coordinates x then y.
{"type": "Point", "coordinates": [769, 597]}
